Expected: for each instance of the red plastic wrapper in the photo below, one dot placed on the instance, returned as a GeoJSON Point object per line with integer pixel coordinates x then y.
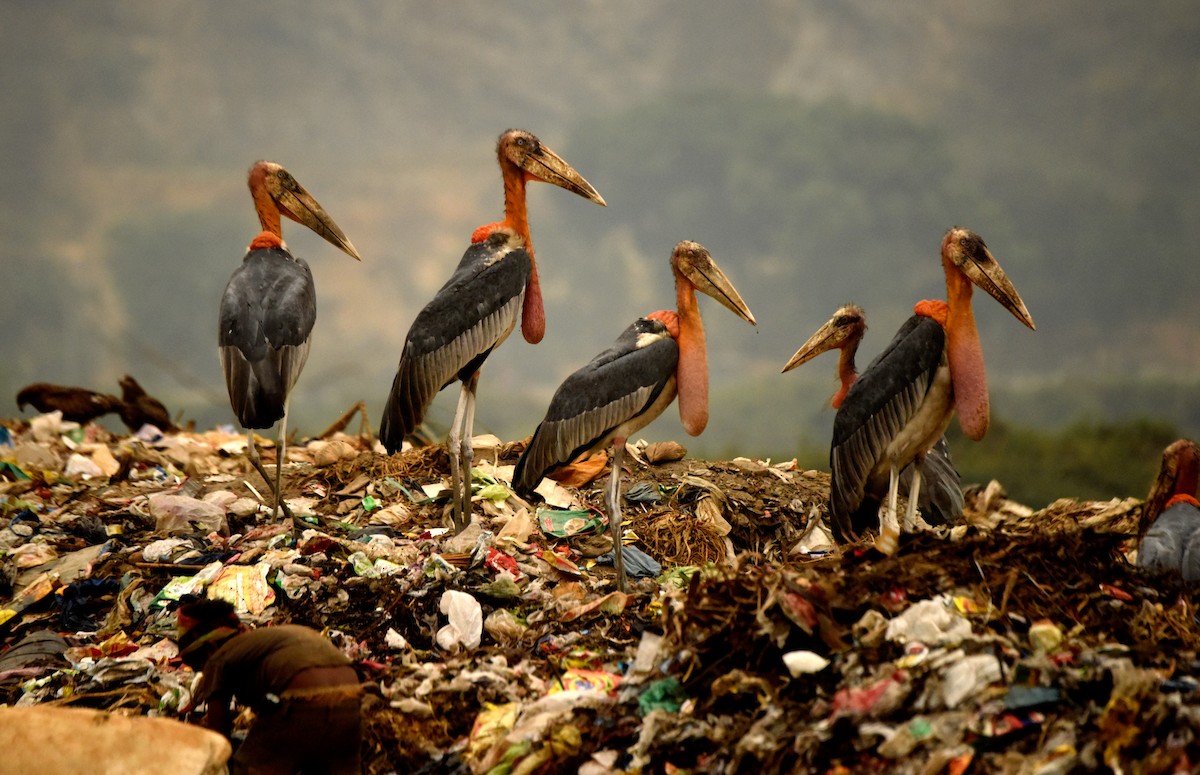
{"type": "Point", "coordinates": [499, 562]}
{"type": "Point", "coordinates": [1116, 592]}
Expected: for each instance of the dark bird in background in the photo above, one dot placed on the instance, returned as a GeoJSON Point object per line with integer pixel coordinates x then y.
{"type": "Point", "coordinates": [139, 408]}
{"type": "Point", "coordinates": [269, 308]}
{"type": "Point", "coordinates": [1169, 528]}
{"type": "Point", "coordinates": [941, 497]}
{"type": "Point", "coordinates": [476, 310]}
{"type": "Point", "coordinates": [76, 404]}
{"type": "Point", "coordinates": [902, 403]}
{"type": "Point", "coordinates": [631, 383]}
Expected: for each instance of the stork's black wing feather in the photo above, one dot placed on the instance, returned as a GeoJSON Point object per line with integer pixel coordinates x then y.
{"type": "Point", "coordinates": [629, 382]}
{"type": "Point", "coordinates": [266, 320]}
{"type": "Point", "coordinates": [473, 312]}
{"type": "Point", "coordinates": [941, 496]}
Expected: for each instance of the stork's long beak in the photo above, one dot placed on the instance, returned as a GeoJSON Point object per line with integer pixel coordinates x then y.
{"type": "Point", "coordinates": [828, 337]}
{"type": "Point", "coordinates": [547, 166]}
{"type": "Point", "coordinates": [972, 256]}
{"type": "Point", "coordinates": [702, 271]}
{"type": "Point", "coordinates": [294, 201]}
{"type": "Point", "coordinates": [991, 278]}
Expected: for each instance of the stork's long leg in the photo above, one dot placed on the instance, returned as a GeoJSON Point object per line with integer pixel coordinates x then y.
{"type": "Point", "coordinates": [453, 449]}
{"type": "Point", "coordinates": [281, 455]}
{"type": "Point", "coordinates": [910, 516]}
{"type": "Point", "coordinates": [614, 508]}
{"type": "Point", "coordinates": [461, 453]}
{"type": "Point", "coordinates": [889, 525]}
{"type": "Point", "coordinates": [256, 462]}
{"type": "Point", "coordinates": [468, 451]}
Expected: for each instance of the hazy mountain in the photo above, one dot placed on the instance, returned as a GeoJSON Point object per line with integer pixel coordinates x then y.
{"type": "Point", "coordinates": [818, 149]}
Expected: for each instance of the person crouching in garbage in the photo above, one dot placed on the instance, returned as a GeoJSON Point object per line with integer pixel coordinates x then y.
{"type": "Point", "coordinates": [304, 692]}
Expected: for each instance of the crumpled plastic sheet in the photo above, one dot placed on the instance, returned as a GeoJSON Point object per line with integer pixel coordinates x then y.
{"type": "Point", "coordinates": [534, 735]}
{"type": "Point", "coordinates": [968, 677]}
{"type": "Point", "coordinates": [183, 514]}
{"type": "Point", "coordinates": [367, 568]}
{"type": "Point", "coordinates": [50, 426]}
{"type": "Point", "coordinates": [108, 672]}
{"type": "Point", "coordinates": [163, 550]}
{"type": "Point", "coordinates": [643, 492]}
{"type": "Point", "coordinates": [81, 465]}
{"type": "Point", "coordinates": [465, 629]}
{"type": "Point", "coordinates": [179, 586]}
{"type": "Point", "coordinates": [34, 654]}
{"type": "Point", "coordinates": [503, 626]}
{"type": "Point", "coordinates": [294, 586]}
{"type": "Point", "coordinates": [638, 564]}
{"type": "Point", "coordinates": [32, 554]}
{"type": "Point", "coordinates": [931, 622]}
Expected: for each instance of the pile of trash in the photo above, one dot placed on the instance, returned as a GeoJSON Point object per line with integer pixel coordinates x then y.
{"type": "Point", "coordinates": [1020, 642]}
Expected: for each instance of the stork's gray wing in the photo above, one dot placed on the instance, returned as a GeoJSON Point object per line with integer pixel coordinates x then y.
{"type": "Point", "coordinates": [450, 338]}
{"type": "Point", "coordinates": [617, 390]}
{"type": "Point", "coordinates": [1168, 538]}
{"type": "Point", "coordinates": [266, 320]}
{"type": "Point", "coordinates": [881, 402]}
{"type": "Point", "coordinates": [941, 496]}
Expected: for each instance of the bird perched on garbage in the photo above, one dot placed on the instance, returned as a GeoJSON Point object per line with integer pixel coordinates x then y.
{"type": "Point", "coordinates": [268, 310]}
{"type": "Point", "coordinates": [901, 404]}
{"type": "Point", "coordinates": [476, 310]}
{"type": "Point", "coordinates": [1169, 527]}
{"type": "Point", "coordinates": [631, 383]}
{"type": "Point", "coordinates": [76, 404]}
{"type": "Point", "coordinates": [941, 497]}
{"type": "Point", "coordinates": [139, 408]}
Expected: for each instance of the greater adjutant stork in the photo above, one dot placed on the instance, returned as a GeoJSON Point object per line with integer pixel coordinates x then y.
{"type": "Point", "coordinates": [902, 403]}
{"type": "Point", "coordinates": [1169, 528]}
{"type": "Point", "coordinates": [476, 310]}
{"type": "Point", "coordinates": [941, 499]}
{"type": "Point", "coordinates": [631, 383]}
{"type": "Point", "coordinates": [268, 311]}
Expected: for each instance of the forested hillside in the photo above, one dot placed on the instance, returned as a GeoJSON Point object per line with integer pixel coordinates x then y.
{"type": "Point", "coordinates": [819, 150]}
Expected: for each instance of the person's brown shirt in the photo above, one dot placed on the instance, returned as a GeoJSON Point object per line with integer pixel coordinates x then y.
{"type": "Point", "coordinates": [259, 662]}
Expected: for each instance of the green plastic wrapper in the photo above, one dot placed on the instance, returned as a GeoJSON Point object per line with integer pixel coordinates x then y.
{"type": "Point", "coordinates": [667, 694]}
{"type": "Point", "coordinates": [564, 524]}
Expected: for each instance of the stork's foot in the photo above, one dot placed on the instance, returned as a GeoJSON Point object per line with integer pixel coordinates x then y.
{"type": "Point", "coordinates": [460, 494]}
{"type": "Point", "coordinates": [459, 522]}
{"type": "Point", "coordinates": [280, 503]}
{"type": "Point", "coordinates": [888, 542]}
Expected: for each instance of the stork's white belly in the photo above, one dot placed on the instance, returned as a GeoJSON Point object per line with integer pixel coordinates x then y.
{"type": "Point", "coordinates": [635, 424]}
{"type": "Point", "coordinates": [927, 425]}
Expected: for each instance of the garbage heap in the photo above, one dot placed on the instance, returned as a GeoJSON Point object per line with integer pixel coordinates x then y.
{"type": "Point", "coordinates": [1020, 642]}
